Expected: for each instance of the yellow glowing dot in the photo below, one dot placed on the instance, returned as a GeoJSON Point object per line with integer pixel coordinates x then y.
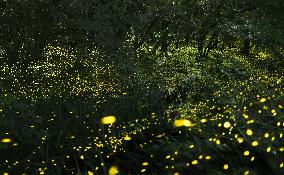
{"type": "Point", "coordinates": [245, 116]}
{"type": "Point", "coordinates": [113, 170]}
{"type": "Point", "coordinates": [143, 170]}
{"type": "Point", "coordinates": [281, 165]}
{"type": "Point", "coordinates": [273, 138]}
{"type": "Point", "coordinates": [200, 157]}
{"type": "Point", "coordinates": [6, 140]}
{"type": "Point", "coordinates": [246, 153]}
{"type": "Point", "coordinates": [194, 162]}
{"type": "Point", "coordinates": [240, 140]}
{"type": "Point", "coordinates": [127, 137]}
{"type": "Point", "coordinates": [218, 142]}
{"type": "Point", "coordinates": [250, 122]}
{"type": "Point", "coordinates": [254, 143]}
{"type": "Point", "coordinates": [203, 120]}
{"type": "Point", "coordinates": [191, 146]}
{"type": "Point", "coordinates": [6, 174]}
{"type": "Point", "coordinates": [176, 173]}
{"type": "Point", "coordinates": [252, 158]}
{"type": "Point", "coordinates": [268, 149]}
{"type": "Point", "coordinates": [266, 135]}
{"type": "Point", "coordinates": [108, 120]}
{"type": "Point", "coordinates": [82, 157]}
{"type": "Point", "coordinates": [246, 172]}
{"type": "Point", "coordinates": [226, 166]}
{"type": "Point", "coordinates": [281, 149]}
{"type": "Point", "coordinates": [263, 100]}
{"type": "Point", "coordinates": [249, 132]}
{"type": "Point", "coordinates": [183, 122]}
{"type": "Point", "coordinates": [145, 163]}
{"type": "Point", "coordinates": [208, 157]}
{"type": "Point", "coordinates": [227, 125]}
{"type": "Point", "coordinates": [161, 135]}
{"type": "Point", "coordinates": [90, 173]}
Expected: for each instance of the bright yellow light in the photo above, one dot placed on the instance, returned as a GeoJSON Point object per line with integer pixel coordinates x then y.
{"type": "Point", "coordinates": [208, 157]}
{"type": "Point", "coordinates": [240, 140]}
{"type": "Point", "coordinates": [246, 153]}
{"type": "Point", "coordinates": [183, 122]}
{"type": "Point", "coordinates": [249, 132]}
{"type": "Point", "coordinates": [227, 125]}
{"type": "Point", "coordinates": [246, 172]}
{"type": "Point", "coordinates": [194, 162]}
{"type": "Point", "coordinates": [226, 166]}
{"type": "Point", "coordinates": [263, 100]}
{"type": "Point", "coordinates": [127, 137]}
{"type": "Point", "coordinates": [90, 173]}
{"type": "Point", "coordinates": [113, 170]}
{"type": "Point", "coordinates": [6, 140]}
{"type": "Point", "coordinates": [254, 143]}
{"type": "Point", "coordinates": [218, 142]}
{"type": "Point", "coordinates": [245, 116]}
{"type": "Point", "coordinates": [145, 163]}
{"type": "Point", "coordinates": [250, 122]}
{"type": "Point", "coordinates": [108, 120]}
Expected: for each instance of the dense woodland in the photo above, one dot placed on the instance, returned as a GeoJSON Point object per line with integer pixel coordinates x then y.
{"type": "Point", "coordinates": [180, 87]}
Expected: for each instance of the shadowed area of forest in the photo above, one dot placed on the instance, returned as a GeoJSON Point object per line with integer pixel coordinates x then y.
{"type": "Point", "coordinates": [95, 87]}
